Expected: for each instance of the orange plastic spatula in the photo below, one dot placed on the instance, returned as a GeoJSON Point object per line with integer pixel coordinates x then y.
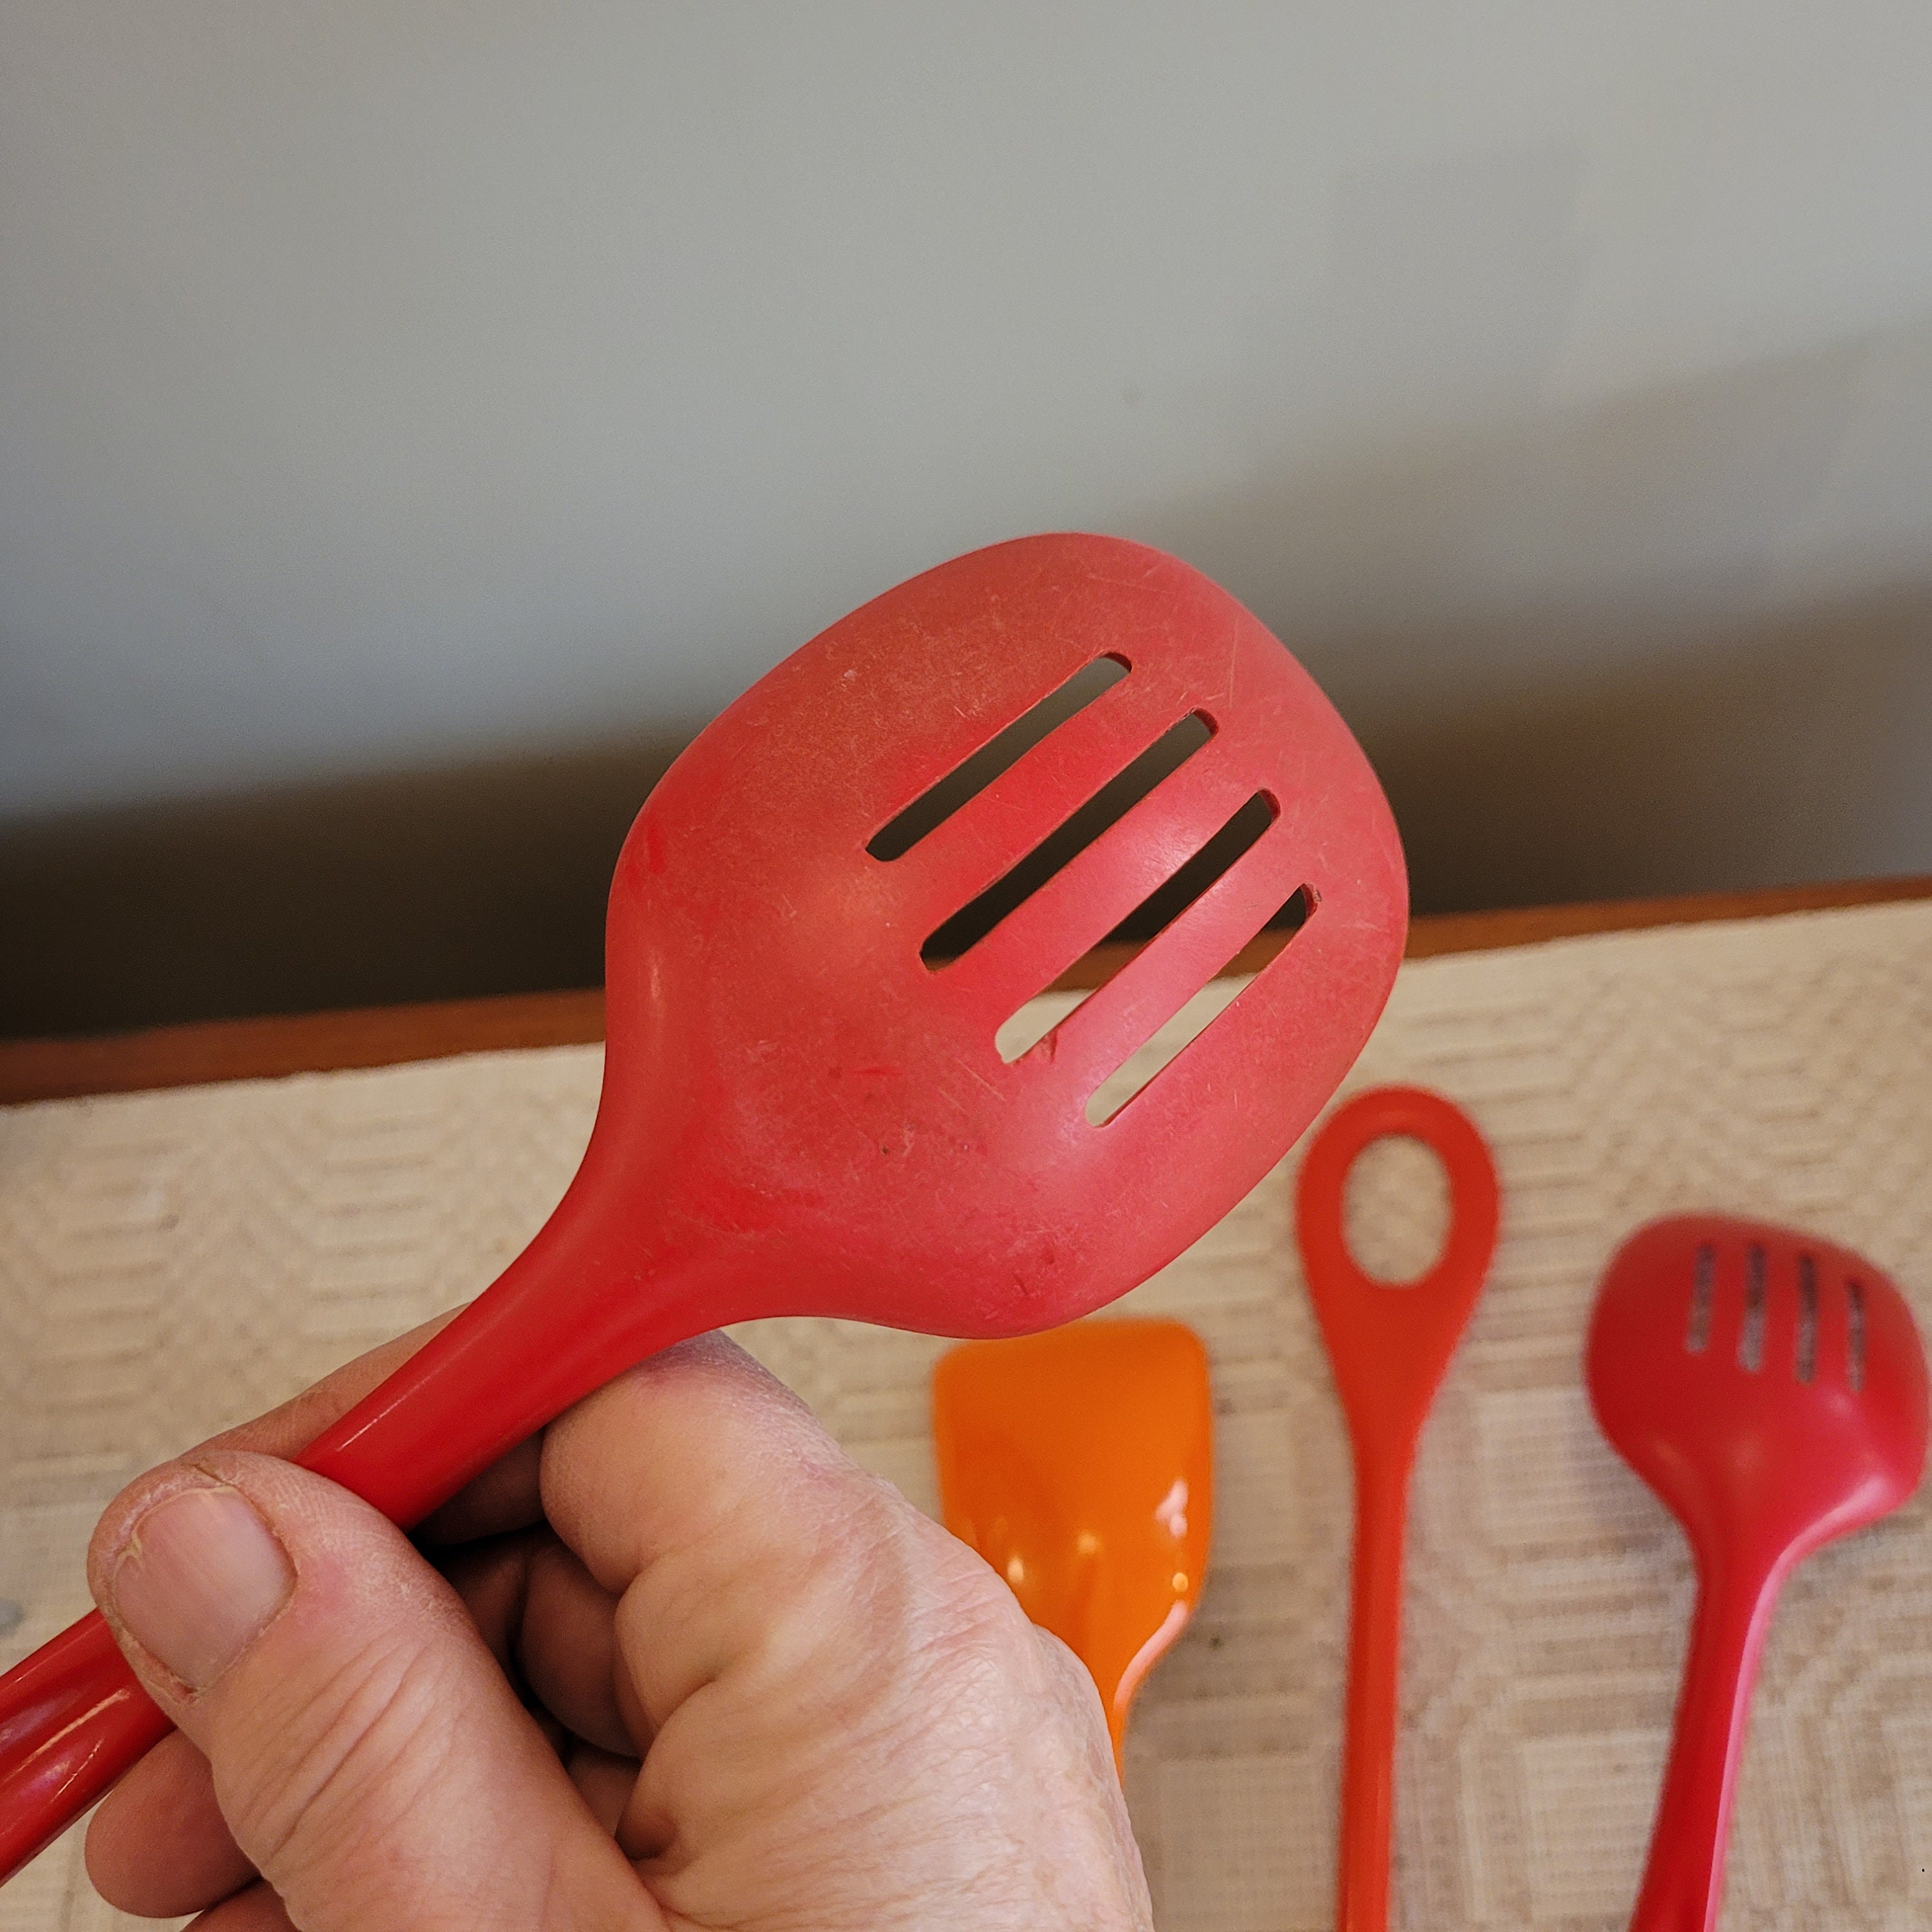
{"type": "Point", "coordinates": [1080, 1464]}
{"type": "Point", "coordinates": [1389, 1346]}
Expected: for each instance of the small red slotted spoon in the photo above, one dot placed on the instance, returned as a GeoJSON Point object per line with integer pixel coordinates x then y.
{"type": "Point", "coordinates": [802, 1115]}
{"type": "Point", "coordinates": [1771, 1390]}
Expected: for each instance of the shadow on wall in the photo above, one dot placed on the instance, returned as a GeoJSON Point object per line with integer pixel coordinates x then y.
{"type": "Point", "coordinates": [1737, 756]}
{"type": "Point", "coordinates": [480, 878]}
{"type": "Point", "coordinates": [1742, 757]}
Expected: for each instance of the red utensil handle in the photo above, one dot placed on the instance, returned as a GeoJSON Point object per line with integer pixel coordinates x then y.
{"type": "Point", "coordinates": [72, 1720]}
{"type": "Point", "coordinates": [1375, 1679]}
{"type": "Point", "coordinates": [1683, 1881]}
{"type": "Point", "coordinates": [1389, 1348]}
{"type": "Point", "coordinates": [72, 1717]}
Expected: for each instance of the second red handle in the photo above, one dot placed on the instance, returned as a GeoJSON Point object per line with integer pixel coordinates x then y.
{"type": "Point", "coordinates": [1375, 1679]}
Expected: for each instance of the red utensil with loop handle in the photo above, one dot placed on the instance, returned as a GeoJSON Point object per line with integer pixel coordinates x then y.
{"type": "Point", "coordinates": [1771, 1390]}
{"type": "Point", "coordinates": [1389, 1346]}
{"type": "Point", "coordinates": [805, 1109]}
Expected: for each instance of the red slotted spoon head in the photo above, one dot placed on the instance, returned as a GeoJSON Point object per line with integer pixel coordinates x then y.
{"type": "Point", "coordinates": [800, 1115]}
{"type": "Point", "coordinates": [1771, 1390]}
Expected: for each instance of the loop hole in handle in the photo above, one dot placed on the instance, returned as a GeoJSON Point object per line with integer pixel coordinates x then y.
{"type": "Point", "coordinates": [1395, 1210]}
{"type": "Point", "coordinates": [1440, 1125]}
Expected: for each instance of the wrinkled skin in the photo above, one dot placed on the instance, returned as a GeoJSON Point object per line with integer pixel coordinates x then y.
{"type": "Point", "coordinates": [844, 1721]}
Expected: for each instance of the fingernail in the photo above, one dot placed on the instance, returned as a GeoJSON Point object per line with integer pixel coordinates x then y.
{"type": "Point", "coordinates": [200, 1575]}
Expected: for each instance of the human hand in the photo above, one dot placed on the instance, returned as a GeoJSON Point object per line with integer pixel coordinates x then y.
{"type": "Point", "coordinates": [844, 1720]}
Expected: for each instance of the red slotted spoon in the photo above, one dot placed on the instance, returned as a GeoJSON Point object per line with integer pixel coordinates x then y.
{"type": "Point", "coordinates": [1771, 1390]}
{"type": "Point", "coordinates": [800, 1115]}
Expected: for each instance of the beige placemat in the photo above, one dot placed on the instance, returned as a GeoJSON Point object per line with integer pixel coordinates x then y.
{"type": "Point", "coordinates": [170, 1263]}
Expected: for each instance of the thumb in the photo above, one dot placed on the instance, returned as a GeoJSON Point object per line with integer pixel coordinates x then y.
{"type": "Point", "coordinates": [369, 1758]}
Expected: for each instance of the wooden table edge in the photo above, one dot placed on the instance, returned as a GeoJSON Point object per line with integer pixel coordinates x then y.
{"type": "Point", "coordinates": [271, 1048]}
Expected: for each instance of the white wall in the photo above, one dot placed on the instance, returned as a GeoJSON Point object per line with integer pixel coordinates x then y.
{"type": "Point", "coordinates": [381, 382]}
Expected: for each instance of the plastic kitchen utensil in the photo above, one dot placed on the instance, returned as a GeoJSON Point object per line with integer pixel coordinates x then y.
{"type": "Point", "coordinates": [1389, 1347]}
{"type": "Point", "coordinates": [805, 1109]}
{"type": "Point", "coordinates": [1080, 1463]}
{"type": "Point", "coordinates": [1771, 1389]}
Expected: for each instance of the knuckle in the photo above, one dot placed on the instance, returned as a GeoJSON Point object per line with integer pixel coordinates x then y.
{"type": "Point", "coordinates": [922, 1624]}
{"type": "Point", "coordinates": [348, 1760]}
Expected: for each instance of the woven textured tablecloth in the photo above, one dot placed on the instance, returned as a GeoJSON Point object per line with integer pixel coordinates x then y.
{"type": "Point", "coordinates": [170, 1263]}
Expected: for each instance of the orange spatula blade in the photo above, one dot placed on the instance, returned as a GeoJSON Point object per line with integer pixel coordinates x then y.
{"type": "Point", "coordinates": [1080, 1464]}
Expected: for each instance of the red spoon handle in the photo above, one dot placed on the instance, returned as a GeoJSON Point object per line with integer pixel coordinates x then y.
{"type": "Point", "coordinates": [72, 1720]}
{"type": "Point", "coordinates": [575, 1308]}
{"type": "Point", "coordinates": [1375, 1676]}
{"type": "Point", "coordinates": [1389, 1348]}
{"type": "Point", "coordinates": [73, 1717]}
{"type": "Point", "coordinates": [1683, 1884]}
